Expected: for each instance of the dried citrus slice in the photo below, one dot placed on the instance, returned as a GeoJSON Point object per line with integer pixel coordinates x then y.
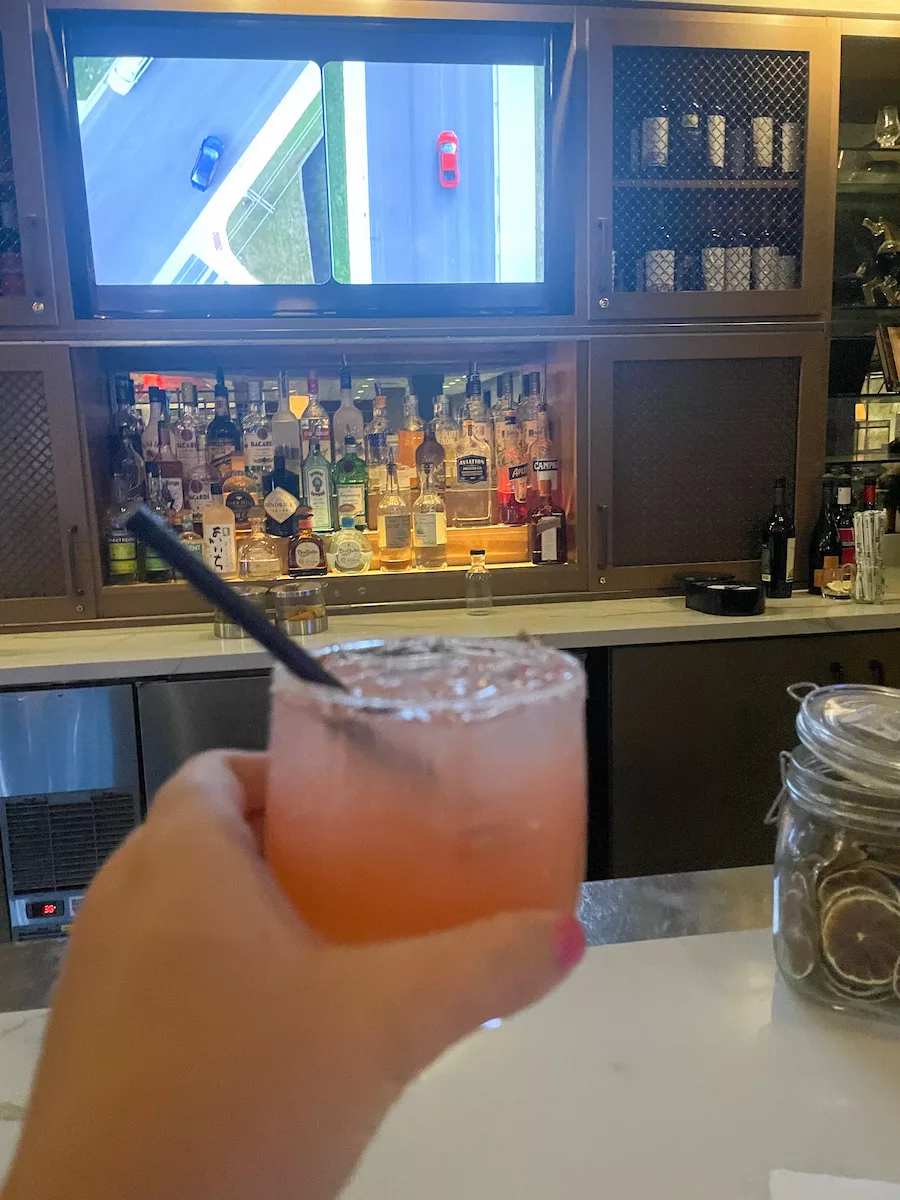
{"type": "Point", "coordinates": [867, 878]}
{"type": "Point", "coordinates": [795, 937]}
{"type": "Point", "coordinates": [861, 938]}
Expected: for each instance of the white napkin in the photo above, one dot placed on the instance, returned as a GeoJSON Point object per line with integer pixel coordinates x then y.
{"type": "Point", "coordinates": [794, 1185]}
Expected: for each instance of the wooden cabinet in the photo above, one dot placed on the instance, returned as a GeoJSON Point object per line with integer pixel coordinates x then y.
{"type": "Point", "coordinates": [46, 564]}
{"type": "Point", "coordinates": [26, 285]}
{"type": "Point", "coordinates": [709, 133]}
{"type": "Point", "coordinates": [694, 737]}
{"type": "Point", "coordinates": [687, 437]}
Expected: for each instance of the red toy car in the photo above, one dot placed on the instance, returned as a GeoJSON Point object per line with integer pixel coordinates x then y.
{"type": "Point", "coordinates": [448, 159]}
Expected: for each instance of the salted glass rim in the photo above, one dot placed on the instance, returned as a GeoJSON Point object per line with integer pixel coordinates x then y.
{"type": "Point", "coordinates": [571, 677]}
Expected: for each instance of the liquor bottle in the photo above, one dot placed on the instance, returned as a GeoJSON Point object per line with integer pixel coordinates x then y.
{"type": "Point", "coordinates": [150, 436]}
{"type": "Point", "coordinates": [479, 599]}
{"type": "Point", "coordinates": [446, 431]}
{"type": "Point", "coordinates": [512, 473]}
{"type": "Point", "coordinates": [547, 529]}
{"type": "Point", "coordinates": [219, 534]}
{"type": "Point", "coordinates": [189, 425]}
{"type": "Point", "coordinates": [258, 554]}
{"type": "Point", "coordinates": [478, 413]}
{"type": "Point", "coordinates": [689, 151]}
{"type": "Point", "coordinates": [256, 434]}
{"type": "Point", "coordinates": [156, 569]}
{"type": "Point", "coordinates": [121, 544]}
{"type": "Point", "coordinates": [778, 548]}
{"type": "Point", "coordinates": [529, 407]}
{"type": "Point", "coordinates": [281, 489]}
{"type": "Point", "coordinates": [869, 501]}
{"type": "Point", "coordinates": [737, 150]}
{"type": "Point", "coordinates": [128, 465]}
{"type": "Point", "coordinates": [843, 518]}
{"type": "Point", "coordinates": [241, 492]}
{"type": "Point", "coordinates": [127, 420]}
{"type": "Point", "coordinates": [203, 476]}
{"type": "Point", "coordinates": [349, 551]}
{"type": "Point", "coordinates": [222, 435]}
{"type": "Point", "coordinates": [712, 254]}
{"type": "Point", "coordinates": [655, 140]}
{"type": "Point", "coordinates": [377, 429]}
{"type": "Point", "coordinates": [315, 422]}
{"type": "Point", "coordinates": [715, 141]}
{"type": "Point", "coordinates": [825, 542]}
{"type": "Point", "coordinates": [187, 533]}
{"type": "Point", "coordinates": [543, 463]}
{"type": "Point", "coordinates": [659, 258]}
{"type": "Point", "coordinates": [317, 488]}
{"type": "Point", "coordinates": [409, 438]}
{"type": "Point", "coordinates": [738, 257]}
{"type": "Point", "coordinates": [762, 141]}
{"type": "Point", "coordinates": [306, 552]}
{"type": "Point", "coordinates": [430, 453]}
{"type": "Point", "coordinates": [469, 496]}
{"type": "Point", "coordinates": [350, 477]}
{"type": "Point", "coordinates": [394, 527]}
{"type": "Point", "coordinates": [766, 256]}
{"type": "Point", "coordinates": [286, 438]}
{"type": "Point", "coordinates": [348, 420]}
{"type": "Point", "coordinates": [404, 473]}
{"type": "Point", "coordinates": [170, 469]}
{"type": "Point", "coordinates": [429, 523]}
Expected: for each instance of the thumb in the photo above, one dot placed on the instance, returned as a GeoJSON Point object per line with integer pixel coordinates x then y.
{"type": "Point", "coordinates": [437, 989]}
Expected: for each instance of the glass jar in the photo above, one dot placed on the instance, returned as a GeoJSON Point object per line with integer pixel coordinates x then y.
{"type": "Point", "coordinates": [836, 918]}
{"type": "Point", "coordinates": [256, 594]}
{"type": "Point", "coordinates": [300, 607]}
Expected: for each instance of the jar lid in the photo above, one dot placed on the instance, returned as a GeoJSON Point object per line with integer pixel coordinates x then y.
{"type": "Point", "coordinates": [297, 589]}
{"type": "Point", "coordinates": [855, 728]}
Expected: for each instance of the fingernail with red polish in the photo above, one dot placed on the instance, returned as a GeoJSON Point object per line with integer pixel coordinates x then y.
{"type": "Point", "coordinates": [570, 943]}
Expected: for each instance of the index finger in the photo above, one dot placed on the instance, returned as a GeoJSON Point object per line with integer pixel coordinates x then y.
{"type": "Point", "coordinates": [227, 784]}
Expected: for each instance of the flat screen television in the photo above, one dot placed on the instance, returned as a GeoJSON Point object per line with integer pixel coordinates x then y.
{"type": "Point", "coordinates": [231, 166]}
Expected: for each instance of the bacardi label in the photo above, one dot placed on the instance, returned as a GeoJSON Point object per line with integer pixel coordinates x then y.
{"type": "Point", "coordinates": [199, 496]}
{"type": "Point", "coordinates": [318, 497]}
{"type": "Point", "coordinates": [259, 453]}
{"type": "Point", "coordinates": [186, 449]}
{"type": "Point", "coordinates": [472, 468]}
{"type": "Point", "coordinates": [430, 529]}
{"type": "Point", "coordinates": [219, 549]}
{"type": "Point", "coordinates": [280, 505]}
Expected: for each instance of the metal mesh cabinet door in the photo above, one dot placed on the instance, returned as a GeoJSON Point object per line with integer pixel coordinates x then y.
{"type": "Point", "coordinates": [710, 138]}
{"type": "Point", "coordinates": [45, 555]}
{"type": "Point", "coordinates": [26, 292]}
{"type": "Point", "coordinates": [688, 436]}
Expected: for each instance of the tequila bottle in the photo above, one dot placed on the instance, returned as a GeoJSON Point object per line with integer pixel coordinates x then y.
{"type": "Point", "coordinates": [429, 524]}
{"type": "Point", "coordinates": [349, 551]}
{"type": "Point", "coordinates": [394, 527]}
{"type": "Point", "coordinates": [306, 553]}
{"type": "Point", "coordinates": [258, 554]}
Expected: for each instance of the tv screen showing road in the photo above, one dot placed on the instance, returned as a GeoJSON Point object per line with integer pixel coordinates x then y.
{"type": "Point", "coordinates": [252, 171]}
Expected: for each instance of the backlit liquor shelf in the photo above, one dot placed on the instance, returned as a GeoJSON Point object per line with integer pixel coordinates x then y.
{"type": "Point", "coordinates": [339, 472]}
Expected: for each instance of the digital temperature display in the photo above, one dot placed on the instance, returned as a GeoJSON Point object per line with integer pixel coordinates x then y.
{"type": "Point", "coordinates": [44, 909]}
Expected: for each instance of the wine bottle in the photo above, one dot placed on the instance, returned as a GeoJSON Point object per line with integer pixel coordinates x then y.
{"type": "Point", "coordinates": [712, 254]}
{"type": "Point", "coordinates": [825, 542]}
{"type": "Point", "coordinates": [659, 259]}
{"type": "Point", "coordinates": [689, 152]}
{"type": "Point", "coordinates": [843, 518]}
{"type": "Point", "coordinates": [715, 141]}
{"type": "Point", "coordinates": [738, 256]}
{"type": "Point", "coordinates": [762, 138]}
{"type": "Point", "coordinates": [766, 257]}
{"type": "Point", "coordinates": [655, 140]}
{"type": "Point", "coordinates": [779, 543]}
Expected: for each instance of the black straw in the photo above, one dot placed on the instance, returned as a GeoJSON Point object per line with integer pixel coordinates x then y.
{"type": "Point", "coordinates": [154, 533]}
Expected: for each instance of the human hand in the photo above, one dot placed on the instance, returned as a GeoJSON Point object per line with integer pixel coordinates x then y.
{"type": "Point", "coordinates": [205, 1044]}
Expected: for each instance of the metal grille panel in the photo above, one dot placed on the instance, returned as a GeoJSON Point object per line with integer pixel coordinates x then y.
{"type": "Point", "coordinates": [31, 554]}
{"type": "Point", "coordinates": [12, 282]}
{"type": "Point", "coordinates": [697, 446]}
{"type": "Point", "coordinates": [56, 844]}
{"type": "Point", "coordinates": [708, 159]}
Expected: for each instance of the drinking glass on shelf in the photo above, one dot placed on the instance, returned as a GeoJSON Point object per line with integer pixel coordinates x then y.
{"type": "Point", "coordinates": [447, 783]}
{"type": "Point", "coordinates": [887, 127]}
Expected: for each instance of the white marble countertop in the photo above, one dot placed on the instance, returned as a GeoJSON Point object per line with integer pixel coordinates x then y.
{"type": "Point", "coordinates": [680, 1068]}
{"type": "Point", "coordinates": [161, 650]}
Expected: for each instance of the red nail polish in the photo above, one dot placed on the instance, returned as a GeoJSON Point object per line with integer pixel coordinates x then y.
{"type": "Point", "coordinates": [570, 943]}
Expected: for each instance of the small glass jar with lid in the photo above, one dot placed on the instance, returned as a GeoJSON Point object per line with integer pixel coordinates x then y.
{"type": "Point", "coordinates": [836, 915]}
{"type": "Point", "coordinates": [300, 607]}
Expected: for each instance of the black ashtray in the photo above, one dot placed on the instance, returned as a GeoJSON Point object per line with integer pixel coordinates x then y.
{"type": "Point", "coordinates": [687, 582]}
{"type": "Point", "coordinates": [730, 598]}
